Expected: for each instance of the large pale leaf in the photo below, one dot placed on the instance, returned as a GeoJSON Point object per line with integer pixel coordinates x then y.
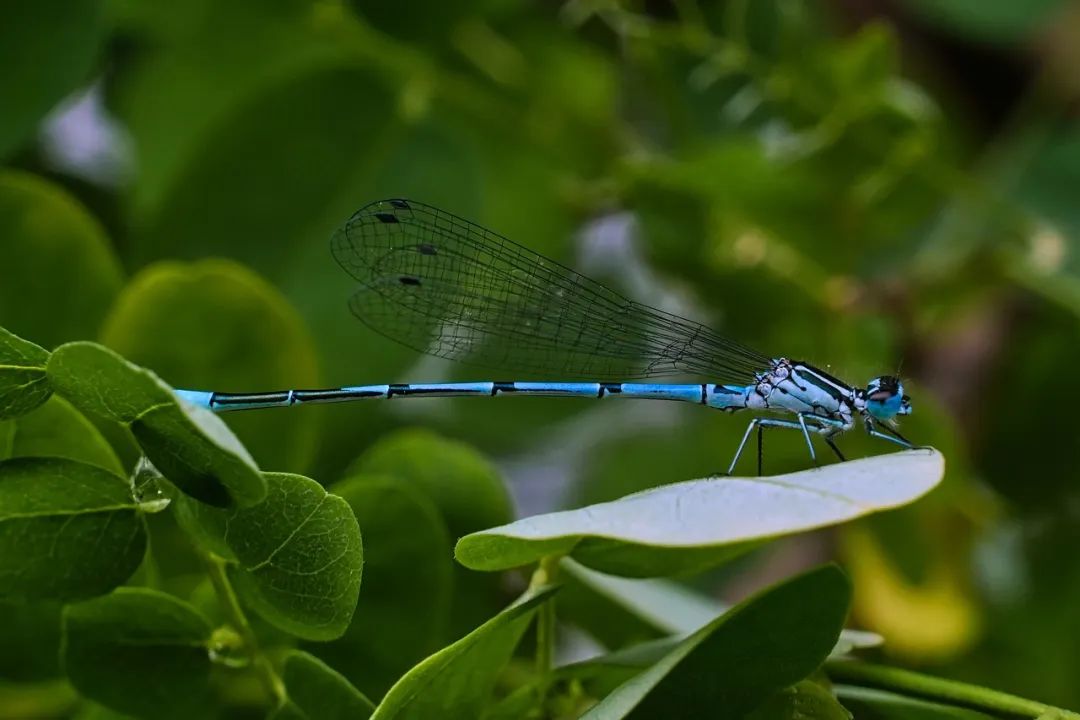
{"type": "Point", "coordinates": [692, 525]}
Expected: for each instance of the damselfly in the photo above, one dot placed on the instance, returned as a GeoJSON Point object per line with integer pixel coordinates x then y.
{"type": "Point", "coordinates": [450, 288]}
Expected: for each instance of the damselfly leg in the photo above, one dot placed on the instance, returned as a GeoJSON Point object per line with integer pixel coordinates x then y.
{"type": "Point", "coordinates": [830, 443]}
{"type": "Point", "coordinates": [893, 435]}
{"type": "Point", "coordinates": [805, 424]}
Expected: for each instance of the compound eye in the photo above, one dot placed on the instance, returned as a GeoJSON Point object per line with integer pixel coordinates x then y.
{"type": "Point", "coordinates": [884, 397]}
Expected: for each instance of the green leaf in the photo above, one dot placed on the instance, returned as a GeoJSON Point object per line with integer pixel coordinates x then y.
{"type": "Point", "coordinates": [465, 486]}
{"type": "Point", "coordinates": [101, 383]}
{"type": "Point", "coordinates": [141, 652]}
{"type": "Point", "coordinates": [431, 27]}
{"type": "Point", "coordinates": [192, 44]}
{"type": "Point", "coordinates": [54, 699]}
{"type": "Point", "coordinates": [1006, 22]}
{"type": "Point", "coordinates": [59, 274]}
{"type": "Point", "coordinates": [402, 614]}
{"type": "Point", "coordinates": [62, 37]}
{"type": "Point", "coordinates": [318, 692]}
{"type": "Point", "coordinates": [692, 525]}
{"type": "Point", "coordinates": [866, 62]}
{"type": "Point", "coordinates": [294, 70]}
{"type": "Point", "coordinates": [68, 530]}
{"type": "Point", "coordinates": [190, 446]}
{"type": "Point", "coordinates": [772, 640]}
{"type": "Point", "coordinates": [7, 438]}
{"type": "Point", "coordinates": [666, 606]}
{"type": "Point", "coordinates": [198, 453]}
{"type": "Point", "coordinates": [671, 608]}
{"type": "Point", "coordinates": [189, 209]}
{"type": "Point", "coordinates": [873, 704]}
{"type": "Point", "coordinates": [803, 701]}
{"type": "Point", "coordinates": [602, 674]}
{"type": "Point", "coordinates": [56, 429]}
{"type": "Point", "coordinates": [659, 606]}
{"type": "Point", "coordinates": [469, 492]}
{"type": "Point", "coordinates": [457, 681]}
{"type": "Point", "coordinates": [525, 701]}
{"type": "Point", "coordinates": [1053, 159]}
{"type": "Point", "coordinates": [599, 676]}
{"type": "Point", "coordinates": [23, 383]}
{"type": "Point", "coordinates": [1038, 173]}
{"type": "Point", "coordinates": [297, 555]}
{"type": "Point", "coordinates": [214, 324]}
{"type": "Point", "coordinates": [93, 711]}
{"type": "Point", "coordinates": [29, 641]}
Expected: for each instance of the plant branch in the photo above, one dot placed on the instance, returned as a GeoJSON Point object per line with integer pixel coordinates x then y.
{"type": "Point", "coordinates": [546, 573]}
{"type": "Point", "coordinates": [236, 617]}
{"type": "Point", "coordinates": [932, 688]}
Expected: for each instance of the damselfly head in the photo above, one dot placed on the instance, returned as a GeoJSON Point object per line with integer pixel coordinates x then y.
{"type": "Point", "coordinates": [885, 398]}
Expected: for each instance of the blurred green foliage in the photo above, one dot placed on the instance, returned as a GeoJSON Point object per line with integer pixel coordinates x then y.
{"type": "Point", "coordinates": [869, 188]}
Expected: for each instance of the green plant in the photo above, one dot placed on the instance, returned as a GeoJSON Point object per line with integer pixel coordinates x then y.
{"type": "Point", "coordinates": [886, 187]}
{"type": "Point", "coordinates": [277, 565]}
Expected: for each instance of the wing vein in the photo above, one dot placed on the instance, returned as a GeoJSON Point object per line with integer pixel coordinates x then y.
{"type": "Point", "coordinates": [448, 287]}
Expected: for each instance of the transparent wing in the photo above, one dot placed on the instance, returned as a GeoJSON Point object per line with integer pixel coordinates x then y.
{"type": "Point", "coordinates": [450, 288]}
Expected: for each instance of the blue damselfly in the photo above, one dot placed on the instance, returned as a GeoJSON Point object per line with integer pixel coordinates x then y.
{"type": "Point", "coordinates": [450, 288]}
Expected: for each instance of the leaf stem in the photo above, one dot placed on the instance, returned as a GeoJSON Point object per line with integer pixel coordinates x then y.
{"type": "Point", "coordinates": [933, 688]}
{"type": "Point", "coordinates": [546, 573]}
{"type": "Point", "coordinates": [264, 669]}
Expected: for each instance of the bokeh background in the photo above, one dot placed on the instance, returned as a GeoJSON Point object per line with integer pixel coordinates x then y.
{"type": "Point", "coordinates": [874, 186]}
